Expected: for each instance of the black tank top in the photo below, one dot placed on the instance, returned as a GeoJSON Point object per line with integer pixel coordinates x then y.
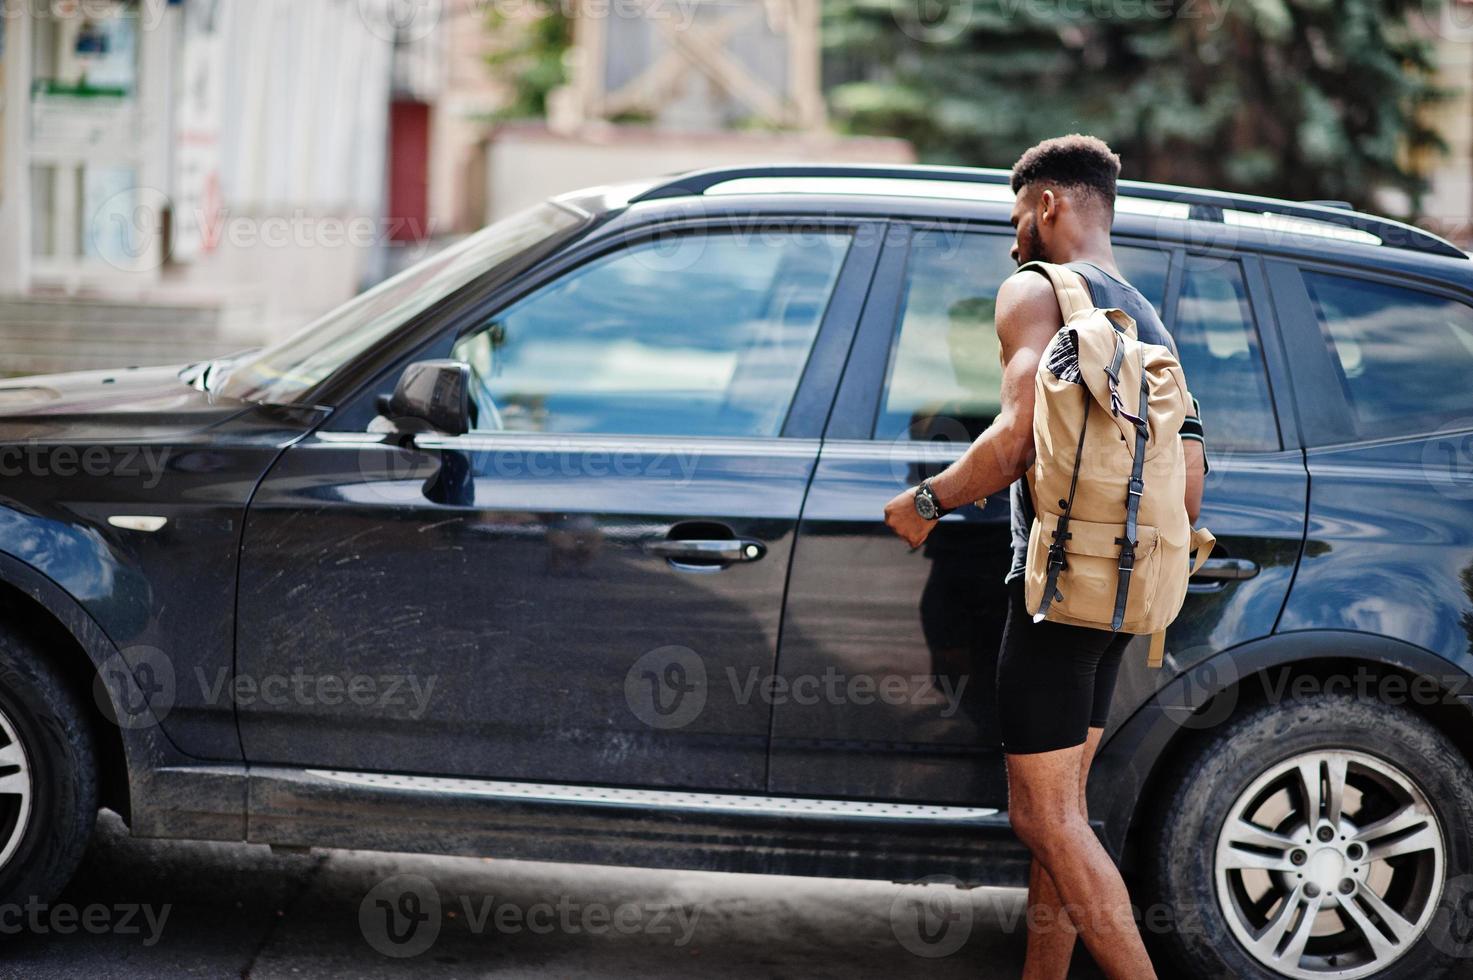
{"type": "Point", "coordinates": [1106, 292]}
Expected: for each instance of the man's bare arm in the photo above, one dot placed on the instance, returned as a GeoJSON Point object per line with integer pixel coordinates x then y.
{"type": "Point", "coordinates": [1027, 319]}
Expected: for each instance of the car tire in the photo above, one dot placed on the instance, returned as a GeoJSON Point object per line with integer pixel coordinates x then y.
{"type": "Point", "coordinates": [48, 775]}
{"type": "Point", "coordinates": [1232, 901]}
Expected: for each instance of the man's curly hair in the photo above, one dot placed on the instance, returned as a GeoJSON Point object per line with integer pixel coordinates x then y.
{"type": "Point", "coordinates": [1075, 160]}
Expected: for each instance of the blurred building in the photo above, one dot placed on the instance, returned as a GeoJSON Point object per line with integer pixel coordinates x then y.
{"type": "Point", "coordinates": [182, 177]}
{"type": "Point", "coordinates": [665, 86]}
{"type": "Point", "coordinates": [1449, 204]}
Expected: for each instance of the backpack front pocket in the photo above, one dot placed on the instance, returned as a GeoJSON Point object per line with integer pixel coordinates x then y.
{"type": "Point", "coordinates": [1088, 581]}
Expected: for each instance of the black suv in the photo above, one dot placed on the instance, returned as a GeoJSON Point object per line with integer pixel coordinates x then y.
{"type": "Point", "coordinates": [567, 544]}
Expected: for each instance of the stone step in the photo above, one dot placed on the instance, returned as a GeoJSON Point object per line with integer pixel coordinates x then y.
{"type": "Point", "coordinates": [44, 335]}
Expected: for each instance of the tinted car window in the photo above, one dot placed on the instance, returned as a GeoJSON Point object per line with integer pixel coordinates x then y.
{"type": "Point", "coordinates": [1145, 269]}
{"type": "Point", "coordinates": [1404, 356]}
{"type": "Point", "coordinates": [701, 335]}
{"type": "Point", "coordinates": [944, 376]}
{"type": "Point", "coordinates": [283, 372]}
{"type": "Point", "coordinates": [1218, 343]}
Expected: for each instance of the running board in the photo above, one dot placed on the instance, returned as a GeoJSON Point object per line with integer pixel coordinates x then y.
{"type": "Point", "coordinates": [635, 827]}
{"type": "Point", "coordinates": [664, 799]}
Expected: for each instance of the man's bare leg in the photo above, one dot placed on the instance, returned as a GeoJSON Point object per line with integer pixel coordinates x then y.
{"type": "Point", "coordinates": [1044, 804]}
{"type": "Point", "coordinates": [1051, 945]}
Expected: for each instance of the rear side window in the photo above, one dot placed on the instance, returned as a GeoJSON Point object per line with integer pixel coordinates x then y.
{"type": "Point", "coordinates": [1218, 342]}
{"type": "Point", "coordinates": [1145, 269]}
{"type": "Point", "coordinates": [945, 378]}
{"type": "Point", "coordinates": [1404, 356]}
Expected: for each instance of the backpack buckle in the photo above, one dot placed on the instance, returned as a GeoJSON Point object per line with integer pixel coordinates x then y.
{"type": "Point", "coordinates": [1127, 554]}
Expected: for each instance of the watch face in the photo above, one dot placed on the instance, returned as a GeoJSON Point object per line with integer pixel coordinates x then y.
{"type": "Point", "coordinates": [926, 504]}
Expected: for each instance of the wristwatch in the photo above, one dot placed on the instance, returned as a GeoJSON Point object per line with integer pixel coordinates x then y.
{"type": "Point", "coordinates": [927, 505]}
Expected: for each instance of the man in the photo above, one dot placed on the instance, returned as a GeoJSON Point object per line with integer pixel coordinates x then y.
{"type": "Point", "coordinates": [1054, 680]}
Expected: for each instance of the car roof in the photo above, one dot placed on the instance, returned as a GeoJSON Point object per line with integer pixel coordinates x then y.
{"type": "Point", "coordinates": [1161, 214]}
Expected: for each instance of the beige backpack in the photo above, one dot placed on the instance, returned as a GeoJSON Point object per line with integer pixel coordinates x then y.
{"type": "Point", "coordinates": [1110, 546]}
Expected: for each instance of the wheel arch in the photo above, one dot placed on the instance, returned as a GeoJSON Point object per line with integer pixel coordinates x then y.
{"type": "Point", "coordinates": [44, 612]}
{"type": "Point", "coordinates": [1129, 773]}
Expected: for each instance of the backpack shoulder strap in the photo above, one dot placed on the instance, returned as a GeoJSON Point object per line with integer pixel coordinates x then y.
{"type": "Point", "coordinates": [1069, 287]}
{"type": "Point", "coordinates": [1133, 493]}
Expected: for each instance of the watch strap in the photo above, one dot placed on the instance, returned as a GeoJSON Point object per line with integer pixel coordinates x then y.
{"type": "Point", "coordinates": [941, 511]}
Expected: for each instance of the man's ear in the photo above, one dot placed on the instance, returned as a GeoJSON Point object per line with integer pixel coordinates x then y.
{"type": "Point", "coordinates": [1048, 205]}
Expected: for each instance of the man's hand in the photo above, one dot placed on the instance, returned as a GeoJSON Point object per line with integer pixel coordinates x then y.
{"type": "Point", "coordinates": [901, 517]}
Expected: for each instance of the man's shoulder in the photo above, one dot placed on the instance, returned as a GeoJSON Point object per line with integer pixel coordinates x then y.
{"type": "Point", "coordinates": [1026, 288]}
{"type": "Point", "coordinates": [1026, 305]}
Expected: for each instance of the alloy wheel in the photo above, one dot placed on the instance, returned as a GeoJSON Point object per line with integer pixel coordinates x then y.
{"type": "Point", "coordinates": [16, 790]}
{"type": "Point", "coordinates": [1330, 864]}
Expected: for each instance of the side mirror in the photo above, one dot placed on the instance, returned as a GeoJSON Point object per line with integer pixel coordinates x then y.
{"type": "Point", "coordinates": [436, 393]}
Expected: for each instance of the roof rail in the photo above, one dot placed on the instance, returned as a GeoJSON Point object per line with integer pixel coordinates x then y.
{"type": "Point", "coordinates": [1203, 205]}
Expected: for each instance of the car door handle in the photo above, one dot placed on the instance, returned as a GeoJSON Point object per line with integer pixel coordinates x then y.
{"type": "Point", "coordinates": [1226, 570]}
{"type": "Point", "coordinates": [702, 554]}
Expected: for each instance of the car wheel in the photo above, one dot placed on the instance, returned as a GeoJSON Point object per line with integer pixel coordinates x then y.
{"type": "Point", "coordinates": [1316, 838]}
{"type": "Point", "coordinates": [48, 776]}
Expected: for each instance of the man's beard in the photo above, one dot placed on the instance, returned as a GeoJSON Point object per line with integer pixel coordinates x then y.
{"type": "Point", "coordinates": [1035, 252]}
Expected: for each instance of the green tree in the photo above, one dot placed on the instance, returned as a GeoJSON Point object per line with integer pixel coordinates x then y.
{"type": "Point", "coordinates": [531, 55]}
{"type": "Point", "coordinates": [1290, 98]}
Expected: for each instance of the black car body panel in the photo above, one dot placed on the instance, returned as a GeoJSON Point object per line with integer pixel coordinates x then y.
{"type": "Point", "coordinates": [87, 453]}
{"type": "Point", "coordinates": [510, 601]}
{"type": "Point", "coordinates": [1389, 548]}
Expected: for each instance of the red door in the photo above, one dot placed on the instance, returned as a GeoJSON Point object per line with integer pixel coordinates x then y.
{"type": "Point", "coordinates": [409, 171]}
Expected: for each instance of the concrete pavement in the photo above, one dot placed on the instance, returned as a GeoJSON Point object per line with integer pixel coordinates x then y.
{"type": "Point", "coordinates": [148, 909]}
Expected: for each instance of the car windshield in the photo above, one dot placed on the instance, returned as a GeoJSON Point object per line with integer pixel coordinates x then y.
{"type": "Point", "coordinates": [283, 371]}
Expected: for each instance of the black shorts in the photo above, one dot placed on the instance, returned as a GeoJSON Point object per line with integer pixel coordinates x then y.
{"type": "Point", "coordinates": [1054, 681]}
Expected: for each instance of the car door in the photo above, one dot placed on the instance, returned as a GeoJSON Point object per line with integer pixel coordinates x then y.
{"type": "Point", "coordinates": [1256, 489]}
{"type": "Point", "coordinates": [565, 593]}
{"type": "Point", "coordinates": [885, 674]}
{"type": "Point", "coordinates": [900, 648]}
{"type": "Point", "coordinates": [1386, 360]}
